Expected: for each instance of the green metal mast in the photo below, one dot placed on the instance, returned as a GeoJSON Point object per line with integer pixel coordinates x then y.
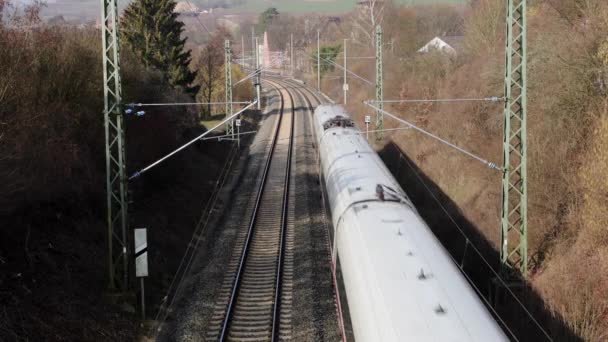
{"type": "Point", "coordinates": [514, 220]}
{"type": "Point", "coordinates": [379, 84]}
{"type": "Point", "coordinates": [258, 71]}
{"type": "Point", "coordinates": [116, 180]}
{"type": "Point", "coordinates": [228, 77]}
{"type": "Point", "coordinates": [318, 61]}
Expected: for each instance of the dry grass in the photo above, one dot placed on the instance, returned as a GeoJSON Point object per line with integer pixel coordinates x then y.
{"type": "Point", "coordinates": [575, 277]}
{"type": "Point", "coordinates": [568, 132]}
{"type": "Point", "coordinates": [52, 167]}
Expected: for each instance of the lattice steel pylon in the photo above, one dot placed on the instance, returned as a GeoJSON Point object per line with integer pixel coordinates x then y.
{"type": "Point", "coordinates": [258, 76]}
{"type": "Point", "coordinates": [514, 220]}
{"type": "Point", "coordinates": [379, 84]}
{"type": "Point", "coordinates": [116, 179]}
{"type": "Point", "coordinates": [228, 87]}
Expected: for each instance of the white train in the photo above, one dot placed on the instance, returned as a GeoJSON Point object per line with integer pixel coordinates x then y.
{"type": "Point", "coordinates": [400, 282]}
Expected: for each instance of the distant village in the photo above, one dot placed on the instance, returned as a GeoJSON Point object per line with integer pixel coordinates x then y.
{"type": "Point", "coordinates": [183, 8]}
{"type": "Point", "coordinates": [188, 9]}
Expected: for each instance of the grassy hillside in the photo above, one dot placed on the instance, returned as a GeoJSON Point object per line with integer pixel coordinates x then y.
{"type": "Point", "coordinates": [567, 135]}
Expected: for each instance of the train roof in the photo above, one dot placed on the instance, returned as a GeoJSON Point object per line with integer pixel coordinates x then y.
{"type": "Point", "coordinates": [327, 112]}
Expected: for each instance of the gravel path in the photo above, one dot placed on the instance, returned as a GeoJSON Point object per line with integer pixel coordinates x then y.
{"type": "Point", "coordinates": [314, 307]}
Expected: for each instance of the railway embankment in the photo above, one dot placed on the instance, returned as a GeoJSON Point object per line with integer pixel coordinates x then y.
{"type": "Point", "coordinates": [468, 246]}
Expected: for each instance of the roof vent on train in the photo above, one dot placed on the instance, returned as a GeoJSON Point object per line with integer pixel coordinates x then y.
{"type": "Point", "coordinates": [338, 121]}
{"type": "Point", "coordinates": [440, 310]}
{"type": "Point", "coordinates": [386, 193]}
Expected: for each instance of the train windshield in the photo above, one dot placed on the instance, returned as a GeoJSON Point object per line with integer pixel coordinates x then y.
{"type": "Point", "coordinates": [338, 121]}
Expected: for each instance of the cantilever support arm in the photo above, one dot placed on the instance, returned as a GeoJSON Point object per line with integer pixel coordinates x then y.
{"type": "Point", "coordinates": [140, 172]}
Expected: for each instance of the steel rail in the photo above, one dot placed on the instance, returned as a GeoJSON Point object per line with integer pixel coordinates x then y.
{"type": "Point", "coordinates": [303, 89]}
{"type": "Point", "coordinates": [253, 221]}
{"type": "Point", "coordinates": [318, 99]}
{"type": "Point", "coordinates": [281, 256]}
{"type": "Point", "coordinates": [184, 266]}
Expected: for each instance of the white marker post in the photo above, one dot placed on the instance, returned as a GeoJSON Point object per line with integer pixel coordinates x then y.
{"type": "Point", "coordinates": [141, 263]}
{"type": "Point", "coordinates": [346, 88]}
{"type": "Point", "coordinates": [345, 85]}
{"type": "Point", "coordinates": [238, 133]}
{"type": "Point", "coordinates": [368, 119]}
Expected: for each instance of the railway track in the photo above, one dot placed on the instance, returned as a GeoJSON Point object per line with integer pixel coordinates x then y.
{"type": "Point", "coordinates": [254, 303]}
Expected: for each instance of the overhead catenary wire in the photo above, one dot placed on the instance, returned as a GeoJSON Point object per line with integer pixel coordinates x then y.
{"type": "Point", "coordinates": [348, 71]}
{"type": "Point", "coordinates": [350, 57]}
{"type": "Point", "coordinates": [182, 104]}
{"type": "Point", "coordinates": [323, 213]}
{"type": "Point", "coordinates": [385, 130]}
{"type": "Point", "coordinates": [198, 19]}
{"type": "Point", "coordinates": [460, 149]}
{"type": "Point", "coordinates": [140, 172]}
{"type": "Point", "coordinates": [221, 137]}
{"type": "Point", "coordinates": [342, 68]}
{"type": "Point", "coordinates": [482, 99]}
{"type": "Point", "coordinates": [188, 257]}
{"type": "Point", "coordinates": [362, 57]}
{"type": "Point", "coordinates": [478, 252]}
{"type": "Point", "coordinates": [251, 75]}
{"type": "Point", "coordinates": [489, 164]}
{"type": "Point", "coordinates": [327, 98]}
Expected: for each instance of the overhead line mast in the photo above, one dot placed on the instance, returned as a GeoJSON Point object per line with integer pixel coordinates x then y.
{"type": "Point", "coordinates": [379, 84]}
{"type": "Point", "coordinates": [345, 85]}
{"type": "Point", "coordinates": [318, 61]}
{"type": "Point", "coordinates": [514, 217]}
{"type": "Point", "coordinates": [116, 177]}
{"type": "Point", "coordinates": [228, 87]}
{"type": "Point", "coordinates": [291, 61]}
{"type": "Point", "coordinates": [258, 75]}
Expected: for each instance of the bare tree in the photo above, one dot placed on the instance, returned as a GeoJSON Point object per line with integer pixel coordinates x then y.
{"type": "Point", "coordinates": [210, 64]}
{"type": "Point", "coordinates": [368, 15]}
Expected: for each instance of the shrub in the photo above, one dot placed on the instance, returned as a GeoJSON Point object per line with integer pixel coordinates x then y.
{"type": "Point", "coordinates": [51, 104]}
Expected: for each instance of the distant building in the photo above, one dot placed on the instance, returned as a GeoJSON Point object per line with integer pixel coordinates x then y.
{"type": "Point", "coordinates": [187, 9]}
{"type": "Point", "coordinates": [57, 20]}
{"type": "Point", "coordinates": [60, 20]}
{"type": "Point", "coordinates": [452, 45]}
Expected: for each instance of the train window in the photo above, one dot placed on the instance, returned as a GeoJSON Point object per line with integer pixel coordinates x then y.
{"type": "Point", "coordinates": [338, 121]}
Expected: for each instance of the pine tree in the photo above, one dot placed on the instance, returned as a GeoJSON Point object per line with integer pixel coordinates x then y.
{"type": "Point", "coordinates": [266, 18]}
{"type": "Point", "coordinates": [153, 32]}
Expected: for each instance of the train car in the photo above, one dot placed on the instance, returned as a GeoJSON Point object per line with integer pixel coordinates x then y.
{"type": "Point", "coordinates": [400, 282]}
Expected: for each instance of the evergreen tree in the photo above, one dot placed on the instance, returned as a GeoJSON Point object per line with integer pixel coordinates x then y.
{"type": "Point", "coordinates": [328, 56]}
{"type": "Point", "coordinates": [152, 30]}
{"type": "Point", "coordinates": [266, 18]}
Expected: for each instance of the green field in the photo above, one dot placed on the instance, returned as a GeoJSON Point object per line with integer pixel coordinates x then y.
{"type": "Point", "coordinates": [322, 5]}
